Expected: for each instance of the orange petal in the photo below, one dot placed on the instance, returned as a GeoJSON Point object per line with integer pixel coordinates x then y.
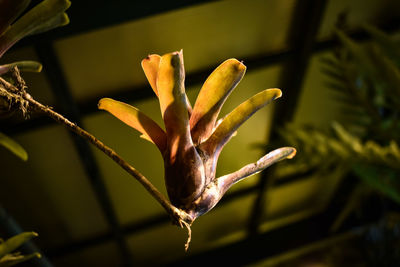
{"type": "Point", "coordinates": [171, 93]}
{"type": "Point", "coordinates": [150, 67]}
{"type": "Point", "coordinates": [137, 120]}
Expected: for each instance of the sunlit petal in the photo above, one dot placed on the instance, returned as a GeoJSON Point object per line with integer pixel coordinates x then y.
{"type": "Point", "coordinates": [237, 117]}
{"type": "Point", "coordinates": [137, 120]}
{"type": "Point", "coordinates": [150, 67]}
{"type": "Point", "coordinates": [212, 96]}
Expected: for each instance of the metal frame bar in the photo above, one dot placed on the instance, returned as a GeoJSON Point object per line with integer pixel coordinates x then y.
{"type": "Point", "coordinates": [155, 221]}
{"type": "Point", "coordinates": [54, 73]}
{"type": "Point", "coordinates": [93, 15]}
{"type": "Point", "coordinates": [302, 34]}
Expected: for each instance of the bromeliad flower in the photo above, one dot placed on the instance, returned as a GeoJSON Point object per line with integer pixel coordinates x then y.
{"type": "Point", "coordinates": [193, 138]}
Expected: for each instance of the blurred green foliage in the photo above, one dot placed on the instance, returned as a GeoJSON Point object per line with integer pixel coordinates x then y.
{"type": "Point", "coordinates": [365, 77]}
{"type": "Point", "coordinates": [13, 146]}
{"type": "Point", "coordinates": [10, 258]}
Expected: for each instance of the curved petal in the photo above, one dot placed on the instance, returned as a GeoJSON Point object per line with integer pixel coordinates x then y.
{"type": "Point", "coordinates": [269, 159]}
{"type": "Point", "coordinates": [137, 120]}
{"type": "Point", "coordinates": [171, 93]}
{"type": "Point", "coordinates": [212, 96]}
{"type": "Point", "coordinates": [215, 190]}
{"type": "Point", "coordinates": [150, 67]}
{"type": "Point", "coordinates": [239, 115]}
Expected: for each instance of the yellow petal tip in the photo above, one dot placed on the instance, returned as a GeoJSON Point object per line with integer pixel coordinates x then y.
{"type": "Point", "coordinates": [102, 103]}
{"type": "Point", "coordinates": [150, 57]}
{"type": "Point", "coordinates": [236, 64]}
{"type": "Point", "coordinates": [292, 154]}
{"type": "Point", "coordinates": [277, 92]}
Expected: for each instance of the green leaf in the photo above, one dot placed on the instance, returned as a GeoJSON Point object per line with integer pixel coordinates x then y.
{"type": "Point", "coordinates": [347, 138]}
{"type": "Point", "coordinates": [14, 242]}
{"type": "Point", "coordinates": [9, 11]}
{"type": "Point", "coordinates": [333, 74]}
{"type": "Point", "coordinates": [14, 259]}
{"type": "Point", "coordinates": [13, 146]}
{"type": "Point", "coordinates": [330, 61]}
{"type": "Point", "coordinates": [237, 117]}
{"type": "Point", "coordinates": [137, 120]}
{"type": "Point", "coordinates": [338, 87]}
{"type": "Point", "coordinates": [58, 20]}
{"type": "Point", "coordinates": [388, 73]}
{"type": "Point", "coordinates": [46, 15]}
{"type": "Point", "coordinates": [31, 66]}
{"type": "Point", "coordinates": [361, 57]}
{"type": "Point", "coordinates": [212, 96]}
{"type": "Point", "coordinates": [389, 46]}
{"type": "Point", "coordinates": [373, 176]}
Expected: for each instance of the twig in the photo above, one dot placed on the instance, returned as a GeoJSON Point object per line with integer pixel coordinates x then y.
{"type": "Point", "coordinates": [20, 96]}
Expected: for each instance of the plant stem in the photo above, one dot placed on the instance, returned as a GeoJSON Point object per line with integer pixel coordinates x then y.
{"type": "Point", "coordinates": [20, 96]}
